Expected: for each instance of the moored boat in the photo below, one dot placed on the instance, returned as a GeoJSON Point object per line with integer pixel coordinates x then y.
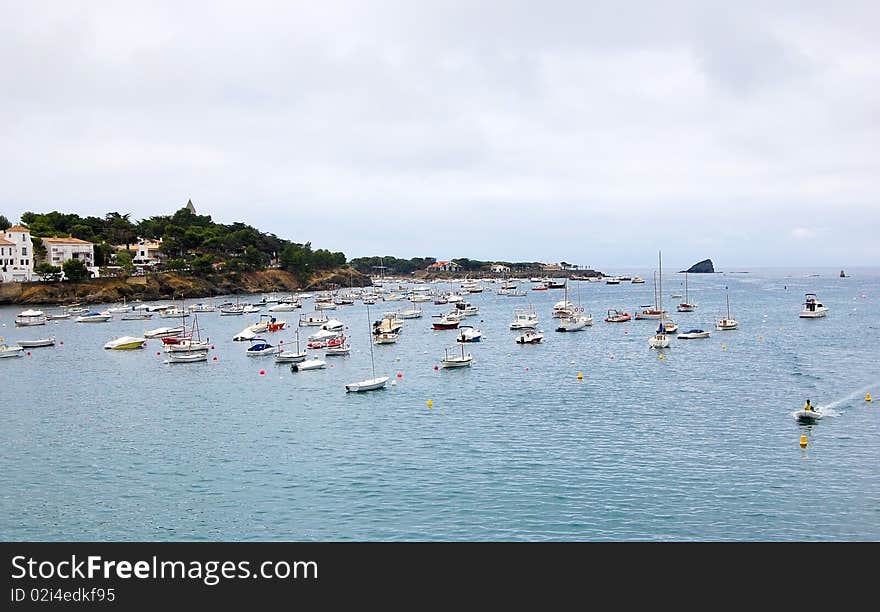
{"type": "Point", "coordinates": [30, 318]}
{"type": "Point", "coordinates": [37, 343]}
{"type": "Point", "coordinates": [126, 343]}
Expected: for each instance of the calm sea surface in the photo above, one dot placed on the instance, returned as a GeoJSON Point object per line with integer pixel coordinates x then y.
{"type": "Point", "coordinates": [701, 445]}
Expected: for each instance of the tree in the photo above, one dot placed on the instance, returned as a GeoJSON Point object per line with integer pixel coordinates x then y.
{"type": "Point", "coordinates": [4, 224]}
{"type": "Point", "coordinates": [202, 265]}
{"type": "Point", "coordinates": [124, 261]}
{"type": "Point", "coordinates": [48, 272]}
{"type": "Point", "coordinates": [75, 270]}
{"type": "Point", "coordinates": [175, 264]}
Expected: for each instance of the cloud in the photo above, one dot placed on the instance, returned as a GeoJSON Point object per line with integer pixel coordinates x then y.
{"type": "Point", "coordinates": [802, 233]}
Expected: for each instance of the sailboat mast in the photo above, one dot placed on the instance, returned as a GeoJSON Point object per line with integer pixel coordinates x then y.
{"type": "Point", "coordinates": [369, 322]}
{"type": "Point", "coordinates": [660, 291]}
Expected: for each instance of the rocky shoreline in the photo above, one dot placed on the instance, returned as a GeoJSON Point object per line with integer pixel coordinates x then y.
{"type": "Point", "coordinates": [173, 285]}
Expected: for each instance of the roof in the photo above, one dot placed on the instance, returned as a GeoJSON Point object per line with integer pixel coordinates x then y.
{"type": "Point", "coordinates": [18, 228]}
{"type": "Point", "coordinates": [68, 240]}
{"type": "Point", "coordinates": [5, 242]}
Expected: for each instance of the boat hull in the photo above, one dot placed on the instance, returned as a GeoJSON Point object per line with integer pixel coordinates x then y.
{"type": "Point", "coordinates": [808, 416]}
{"type": "Point", "coordinates": [367, 385]}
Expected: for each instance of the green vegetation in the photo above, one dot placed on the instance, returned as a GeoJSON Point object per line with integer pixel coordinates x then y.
{"type": "Point", "coordinates": [4, 224]}
{"type": "Point", "coordinates": [189, 241]}
{"type": "Point", "coordinates": [390, 265]}
{"type": "Point", "coordinates": [48, 272]}
{"type": "Point", "coordinates": [75, 270]}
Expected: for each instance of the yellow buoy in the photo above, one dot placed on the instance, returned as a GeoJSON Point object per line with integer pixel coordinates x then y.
{"type": "Point", "coordinates": [661, 356]}
{"type": "Point", "coordinates": [430, 403]}
{"type": "Point", "coordinates": [760, 337]}
{"type": "Point", "coordinates": [803, 441]}
{"type": "Point", "coordinates": [580, 376]}
{"type": "Point", "coordinates": [723, 347]}
{"type": "Point", "coordinates": [867, 397]}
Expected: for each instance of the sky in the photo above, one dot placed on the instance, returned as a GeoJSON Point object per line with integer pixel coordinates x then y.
{"type": "Point", "coordinates": [596, 133]}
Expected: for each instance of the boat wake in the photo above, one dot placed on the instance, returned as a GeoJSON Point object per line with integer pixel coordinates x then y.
{"type": "Point", "coordinates": [829, 409]}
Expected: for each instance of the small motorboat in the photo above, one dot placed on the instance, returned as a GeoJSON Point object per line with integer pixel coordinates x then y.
{"type": "Point", "coordinates": [137, 316]}
{"type": "Point", "coordinates": [58, 317]}
{"type": "Point", "coordinates": [615, 316]}
{"type": "Point", "coordinates": [385, 338]}
{"type": "Point", "coordinates": [805, 415]}
{"type": "Point", "coordinates": [163, 332]}
{"type": "Point", "coordinates": [370, 384]}
{"type": "Point", "coordinates": [37, 343]}
{"type": "Point", "coordinates": [94, 317]}
{"type": "Point", "coordinates": [126, 343]}
{"type": "Point", "coordinates": [693, 334]}
{"type": "Point", "coordinates": [261, 348]}
{"type": "Point", "coordinates": [530, 337]}
{"type": "Point", "coordinates": [308, 364]}
{"type": "Point", "coordinates": [447, 321]}
{"type": "Point", "coordinates": [637, 280]}
{"type": "Point", "coordinates": [30, 318]}
{"type": "Point", "coordinates": [469, 333]}
{"type": "Point", "coordinates": [574, 323]}
{"type": "Point", "coordinates": [670, 327]}
{"type": "Point", "coordinates": [813, 308]}
{"type": "Point", "coordinates": [524, 319]}
{"type": "Point", "coordinates": [11, 351]}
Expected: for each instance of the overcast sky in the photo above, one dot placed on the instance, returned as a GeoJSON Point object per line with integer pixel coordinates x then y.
{"type": "Point", "coordinates": [590, 132]}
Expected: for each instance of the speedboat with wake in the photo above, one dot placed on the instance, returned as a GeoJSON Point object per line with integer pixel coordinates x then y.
{"type": "Point", "coordinates": [808, 414]}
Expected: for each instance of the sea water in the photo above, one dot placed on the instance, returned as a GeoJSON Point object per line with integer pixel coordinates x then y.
{"type": "Point", "coordinates": [699, 445]}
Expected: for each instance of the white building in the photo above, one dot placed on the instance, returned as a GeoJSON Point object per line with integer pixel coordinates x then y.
{"type": "Point", "coordinates": [16, 254]}
{"type": "Point", "coordinates": [444, 266]}
{"type": "Point", "coordinates": [500, 269]}
{"type": "Point", "coordinates": [59, 250]}
{"type": "Point", "coordinates": [149, 253]}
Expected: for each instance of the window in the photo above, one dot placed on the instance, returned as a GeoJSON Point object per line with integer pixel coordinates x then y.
{"type": "Point", "coordinates": [23, 251]}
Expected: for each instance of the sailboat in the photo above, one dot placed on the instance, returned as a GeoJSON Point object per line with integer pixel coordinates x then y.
{"type": "Point", "coordinates": [455, 361]}
{"type": "Point", "coordinates": [573, 321]}
{"type": "Point", "coordinates": [726, 323]}
{"type": "Point", "coordinates": [686, 305]}
{"type": "Point", "coordinates": [191, 343]}
{"type": "Point", "coordinates": [660, 340]}
{"type": "Point", "coordinates": [377, 382]}
{"type": "Point", "coordinates": [657, 311]}
{"type": "Point", "coordinates": [296, 356]}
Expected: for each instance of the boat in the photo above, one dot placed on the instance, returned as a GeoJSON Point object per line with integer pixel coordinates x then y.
{"type": "Point", "coordinates": [669, 326]}
{"type": "Point", "coordinates": [37, 343]}
{"type": "Point", "coordinates": [187, 357]}
{"type": "Point", "coordinates": [232, 310]}
{"type": "Point", "coordinates": [660, 340]}
{"type": "Point", "coordinates": [524, 319]}
{"type": "Point", "coordinates": [58, 316]}
{"type": "Point", "coordinates": [285, 307]}
{"type": "Point", "coordinates": [456, 361]}
{"type": "Point", "coordinates": [637, 280]}
{"type": "Point", "coordinates": [530, 337]}
{"type": "Point", "coordinates": [30, 318]}
{"type": "Point", "coordinates": [164, 332]}
{"type": "Point", "coordinates": [612, 280]}
{"type": "Point", "coordinates": [562, 309]}
{"type": "Point", "coordinates": [573, 320]}
{"type": "Point", "coordinates": [540, 288]}
{"type": "Point", "coordinates": [296, 356]}
{"type": "Point", "coordinates": [126, 343]}
{"type": "Point", "coordinates": [188, 343]}
{"type": "Point", "coordinates": [808, 414]}
{"type": "Point", "coordinates": [308, 364]}
{"type": "Point", "coordinates": [726, 324]}
{"type": "Point", "coordinates": [251, 308]}
{"type": "Point", "coordinates": [94, 317]}
{"type": "Point", "coordinates": [260, 348]}
{"type": "Point", "coordinates": [386, 338]}
{"type": "Point", "coordinates": [842, 274]}
{"type": "Point", "coordinates": [202, 307]}
{"type": "Point", "coordinates": [469, 333]}
{"type": "Point", "coordinates": [557, 284]}
{"type": "Point", "coordinates": [447, 321]}
{"type": "Point", "coordinates": [137, 316]}
{"type": "Point", "coordinates": [338, 351]}
{"type": "Point", "coordinates": [334, 325]}
{"type": "Point", "coordinates": [616, 316]}
{"type": "Point", "coordinates": [813, 308]}
{"type": "Point", "coordinates": [121, 308]}
{"type": "Point", "coordinates": [174, 313]}
{"type": "Point", "coordinates": [466, 309]}
{"type": "Point", "coordinates": [693, 334]}
{"type": "Point", "coordinates": [686, 305]}
{"type": "Point", "coordinates": [315, 319]}
{"type": "Point", "coordinates": [370, 384]}
{"type": "Point", "coordinates": [11, 351]}
{"type": "Point", "coordinates": [411, 313]}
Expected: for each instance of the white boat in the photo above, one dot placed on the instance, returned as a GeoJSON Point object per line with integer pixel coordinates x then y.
{"type": "Point", "coordinates": [447, 321]}
{"type": "Point", "coordinates": [411, 313]}
{"type": "Point", "coordinates": [164, 332]}
{"type": "Point", "coordinates": [200, 307]}
{"type": "Point", "coordinates": [251, 308]}
{"type": "Point", "coordinates": [371, 384]}
{"type": "Point", "coordinates": [187, 357]}
{"type": "Point", "coordinates": [456, 361]}
{"type": "Point", "coordinates": [524, 319]}
{"type": "Point", "coordinates": [386, 338]}
{"type": "Point", "coordinates": [693, 334]}
{"type": "Point", "coordinates": [29, 318]}
{"type": "Point", "coordinates": [11, 351]}
{"type": "Point", "coordinates": [813, 308]}
{"type": "Point", "coordinates": [174, 313]}
{"type": "Point", "coordinates": [808, 414]}
{"type": "Point", "coordinates": [726, 324]}
{"type": "Point", "coordinates": [232, 310]}
{"type": "Point", "coordinates": [308, 364]}
{"type": "Point", "coordinates": [686, 305]}
{"type": "Point", "coordinates": [669, 326]}
{"type": "Point", "coordinates": [296, 356]}
{"type": "Point", "coordinates": [324, 334]}
{"type": "Point", "coordinates": [660, 340]}
{"type": "Point", "coordinates": [193, 343]}
{"type": "Point", "coordinates": [260, 348]}
{"type": "Point", "coordinates": [37, 343]}
{"type": "Point", "coordinates": [120, 309]}
{"type": "Point", "coordinates": [530, 337]}
{"type": "Point", "coordinates": [126, 343]}
{"type": "Point", "coordinates": [637, 280]}
{"type": "Point", "coordinates": [562, 309]}
{"type": "Point", "coordinates": [315, 319]}
{"type": "Point", "coordinates": [574, 323]}
{"type": "Point", "coordinates": [58, 316]}
{"type": "Point", "coordinates": [468, 333]}
{"type": "Point", "coordinates": [94, 317]}
{"type": "Point", "coordinates": [285, 307]}
{"type": "Point", "coordinates": [137, 316]}
{"type": "Point", "coordinates": [612, 280]}
{"type": "Point", "coordinates": [334, 325]}
{"type": "Point", "coordinates": [465, 309]}
{"type": "Point", "coordinates": [338, 351]}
